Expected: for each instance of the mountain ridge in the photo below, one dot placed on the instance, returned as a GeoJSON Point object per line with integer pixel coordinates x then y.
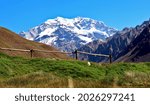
{"type": "Point", "coordinates": [138, 50]}
{"type": "Point", "coordinates": [119, 43]}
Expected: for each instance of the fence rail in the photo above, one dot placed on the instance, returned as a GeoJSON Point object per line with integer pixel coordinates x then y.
{"type": "Point", "coordinates": [51, 51]}
{"type": "Point", "coordinates": [93, 54]}
{"type": "Point", "coordinates": [46, 51]}
{"type": "Point", "coordinates": [12, 49]}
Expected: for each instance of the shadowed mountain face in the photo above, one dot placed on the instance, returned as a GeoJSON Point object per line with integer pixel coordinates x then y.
{"type": "Point", "coordinates": [129, 40]}
{"type": "Point", "coordinates": [139, 49]}
{"type": "Point", "coordinates": [9, 39]}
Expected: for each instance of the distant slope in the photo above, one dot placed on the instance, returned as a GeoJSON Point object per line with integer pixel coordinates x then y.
{"type": "Point", "coordinates": [9, 39]}
{"type": "Point", "coordinates": [139, 49]}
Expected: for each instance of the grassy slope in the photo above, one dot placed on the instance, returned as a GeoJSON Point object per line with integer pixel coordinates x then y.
{"type": "Point", "coordinates": [20, 72]}
{"type": "Point", "coordinates": [9, 39]}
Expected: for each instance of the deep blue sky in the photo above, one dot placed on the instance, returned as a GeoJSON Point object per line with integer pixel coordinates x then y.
{"type": "Point", "coordinates": [19, 15]}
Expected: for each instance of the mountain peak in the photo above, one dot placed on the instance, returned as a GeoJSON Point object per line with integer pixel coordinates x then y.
{"type": "Point", "coordinates": [73, 20]}
{"type": "Point", "coordinates": [68, 34]}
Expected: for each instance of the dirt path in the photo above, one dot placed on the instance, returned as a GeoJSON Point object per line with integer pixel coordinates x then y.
{"type": "Point", "coordinates": [70, 83]}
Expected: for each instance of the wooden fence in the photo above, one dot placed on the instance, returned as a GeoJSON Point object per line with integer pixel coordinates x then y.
{"type": "Point", "coordinates": [76, 52]}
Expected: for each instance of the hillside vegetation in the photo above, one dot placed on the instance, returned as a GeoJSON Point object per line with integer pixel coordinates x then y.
{"type": "Point", "coordinates": [21, 72]}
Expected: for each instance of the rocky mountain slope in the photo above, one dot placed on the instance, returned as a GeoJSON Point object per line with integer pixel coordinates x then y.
{"type": "Point", "coordinates": [139, 48]}
{"type": "Point", "coordinates": [120, 43]}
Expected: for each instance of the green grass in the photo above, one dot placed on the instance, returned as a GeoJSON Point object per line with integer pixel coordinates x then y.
{"type": "Point", "coordinates": [21, 72]}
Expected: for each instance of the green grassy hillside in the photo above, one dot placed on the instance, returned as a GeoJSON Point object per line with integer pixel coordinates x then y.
{"type": "Point", "coordinates": [21, 72]}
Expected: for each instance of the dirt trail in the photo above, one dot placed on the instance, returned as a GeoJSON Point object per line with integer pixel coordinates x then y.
{"type": "Point", "coordinates": [70, 83]}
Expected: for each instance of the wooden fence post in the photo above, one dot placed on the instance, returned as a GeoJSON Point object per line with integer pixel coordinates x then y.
{"type": "Point", "coordinates": [76, 54]}
{"type": "Point", "coordinates": [110, 54]}
{"type": "Point", "coordinates": [110, 58]}
{"type": "Point", "coordinates": [31, 53]}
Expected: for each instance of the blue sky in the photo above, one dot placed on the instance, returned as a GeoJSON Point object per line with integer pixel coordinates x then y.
{"type": "Point", "coordinates": [19, 15]}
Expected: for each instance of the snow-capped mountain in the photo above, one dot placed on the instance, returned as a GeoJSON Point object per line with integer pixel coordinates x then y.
{"type": "Point", "coordinates": [69, 34]}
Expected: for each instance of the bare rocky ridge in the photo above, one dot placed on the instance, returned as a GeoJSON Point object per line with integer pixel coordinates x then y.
{"type": "Point", "coordinates": [139, 48]}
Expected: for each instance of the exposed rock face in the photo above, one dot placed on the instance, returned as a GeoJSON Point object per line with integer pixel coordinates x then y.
{"type": "Point", "coordinates": [139, 48]}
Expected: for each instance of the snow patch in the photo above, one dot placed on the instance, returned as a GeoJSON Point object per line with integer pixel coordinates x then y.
{"type": "Point", "coordinates": [47, 31]}
{"type": "Point", "coordinates": [86, 39]}
{"type": "Point", "coordinates": [49, 41]}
